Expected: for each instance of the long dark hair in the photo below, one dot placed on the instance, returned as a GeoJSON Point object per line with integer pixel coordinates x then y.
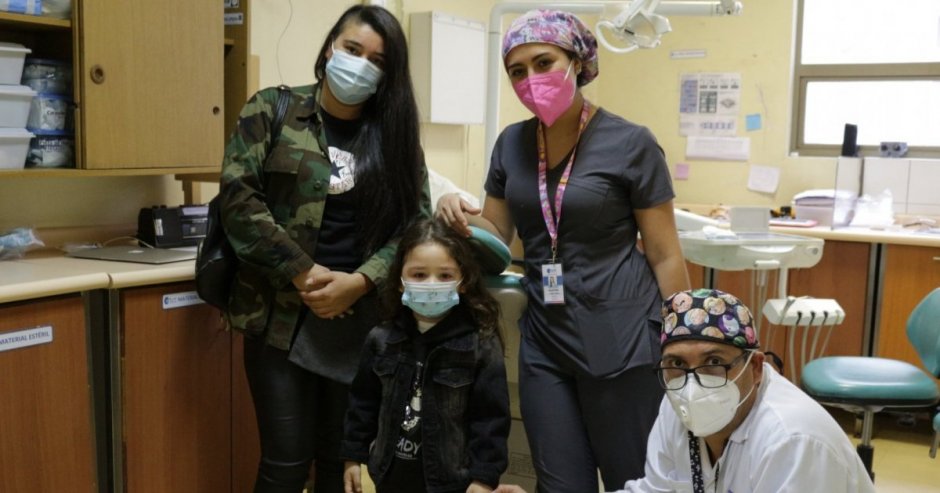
{"type": "Point", "coordinates": [389, 171]}
{"type": "Point", "coordinates": [474, 297]}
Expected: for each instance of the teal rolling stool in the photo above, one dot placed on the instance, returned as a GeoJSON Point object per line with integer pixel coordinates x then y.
{"type": "Point", "coordinates": [872, 384]}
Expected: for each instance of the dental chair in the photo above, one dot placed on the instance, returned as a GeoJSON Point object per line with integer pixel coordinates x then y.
{"type": "Point", "coordinates": [869, 384]}
{"type": "Point", "coordinates": [495, 258]}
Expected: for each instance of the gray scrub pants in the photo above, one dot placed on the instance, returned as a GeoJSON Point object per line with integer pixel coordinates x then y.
{"type": "Point", "coordinates": [576, 424]}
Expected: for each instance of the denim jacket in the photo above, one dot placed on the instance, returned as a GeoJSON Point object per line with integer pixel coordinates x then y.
{"type": "Point", "coordinates": [465, 416]}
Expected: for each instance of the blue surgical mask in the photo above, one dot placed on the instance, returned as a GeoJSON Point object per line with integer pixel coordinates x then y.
{"type": "Point", "coordinates": [352, 79]}
{"type": "Point", "coordinates": [430, 299]}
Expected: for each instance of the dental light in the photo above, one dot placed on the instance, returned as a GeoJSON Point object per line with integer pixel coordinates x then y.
{"type": "Point", "coordinates": [641, 23]}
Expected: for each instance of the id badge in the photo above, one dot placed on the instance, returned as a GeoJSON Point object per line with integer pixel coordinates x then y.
{"type": "Point", "coordinates": [553, 287]}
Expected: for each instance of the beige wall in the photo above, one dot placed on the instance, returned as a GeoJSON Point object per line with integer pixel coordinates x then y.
{"type": "Point", "coordinates": [80, 202]}
{"type": "Point", "coordinates": [644, 87]}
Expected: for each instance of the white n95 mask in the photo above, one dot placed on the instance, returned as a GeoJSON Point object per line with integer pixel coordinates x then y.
{"type": "Point", "coordinates": [352, 79]}
{"type": "Point", "coordinates": [430, 299]}
{"type": "Point", "coordinates": [705, 411]}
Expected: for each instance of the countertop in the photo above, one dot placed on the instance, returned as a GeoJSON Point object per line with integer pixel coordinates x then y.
{"type": "Point", "coordinates": [865, 235]}
{"type": "Point", "coordinates": [37, 277]}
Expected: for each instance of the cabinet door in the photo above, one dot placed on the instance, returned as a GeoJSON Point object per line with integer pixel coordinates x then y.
{"type": "Point", "coordinates": [46, 434]}
{"type": "Point", "coordinates": [841, 274]}
{"type": "Point", "coordinates": [910, 272]}
{"type": "Point", "coordinates": [152, 83]}
{"type": "Point", "coordinates": [176, 394]}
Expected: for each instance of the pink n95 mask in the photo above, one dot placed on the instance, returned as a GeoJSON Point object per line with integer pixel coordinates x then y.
{"type": "Point", "coordinates": [547, 95]}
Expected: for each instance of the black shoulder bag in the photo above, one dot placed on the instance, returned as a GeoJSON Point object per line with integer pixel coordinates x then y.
{"type": "Point", "coordinates": [216, 261]}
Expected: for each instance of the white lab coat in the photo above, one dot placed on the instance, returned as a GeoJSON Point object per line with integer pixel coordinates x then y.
{"type": "Point", "coordinates": [787, 443]}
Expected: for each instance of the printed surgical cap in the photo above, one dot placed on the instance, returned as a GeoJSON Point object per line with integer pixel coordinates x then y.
{"type": "Point", "coordinates": [559, 28]}
{"type": "Point", "coordinates": [708, 315]}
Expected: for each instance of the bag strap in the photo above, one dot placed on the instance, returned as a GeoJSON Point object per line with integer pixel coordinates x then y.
{"type": "Point", "coordinates": [280, 111]}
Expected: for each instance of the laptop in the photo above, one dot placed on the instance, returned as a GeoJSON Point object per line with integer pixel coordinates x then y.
{"type": "Point", "coordinates": [140, 255]}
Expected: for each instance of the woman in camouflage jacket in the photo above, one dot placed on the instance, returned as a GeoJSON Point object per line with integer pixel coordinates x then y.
{"type": "Point", "coordinates": [314, 222]}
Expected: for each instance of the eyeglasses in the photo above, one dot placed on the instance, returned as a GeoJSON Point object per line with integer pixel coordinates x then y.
{"type": "Point", "coordinates": [672, 378]}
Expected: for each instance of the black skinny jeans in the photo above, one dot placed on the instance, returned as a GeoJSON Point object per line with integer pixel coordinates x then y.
{"type": "Point", "coordinates": [300, 419]}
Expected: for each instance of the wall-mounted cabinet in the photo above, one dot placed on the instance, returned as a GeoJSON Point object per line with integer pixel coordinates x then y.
{"type": "Point", "coordinates": [149, 80]}
{"type": "Point", "coordinates": [151, 83]}
{"type": "Point", "coordinates": [448, 65]}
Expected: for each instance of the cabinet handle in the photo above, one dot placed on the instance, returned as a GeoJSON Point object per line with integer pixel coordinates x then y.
{"type": "Point", "coordinates": [97, 74]}
{"type": "Point", "coordinates": [936, 259]}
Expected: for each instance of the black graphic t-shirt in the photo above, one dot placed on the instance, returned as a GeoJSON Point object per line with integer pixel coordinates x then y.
{"type": "Point", "coordinates": [337, 247]}
{"type": "Point", "coordinates": [407, 473]}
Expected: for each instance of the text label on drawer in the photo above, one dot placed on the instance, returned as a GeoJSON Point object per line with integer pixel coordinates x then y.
{"type": "Point", "coordinates": [25, 338]}
{"type": "Point", "coordinates": [179, 300]}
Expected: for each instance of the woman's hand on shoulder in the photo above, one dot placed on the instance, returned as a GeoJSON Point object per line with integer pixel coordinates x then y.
{"type": "Point", "coordinates": [352, 477]}
{"type": "Point", "coordinates": [478, 487]}
{"type": "Point", "coordinates": [453, 210]}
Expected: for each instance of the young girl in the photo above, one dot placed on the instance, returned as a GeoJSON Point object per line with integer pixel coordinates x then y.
{"type": "Point", "coordinates": [429, 407]}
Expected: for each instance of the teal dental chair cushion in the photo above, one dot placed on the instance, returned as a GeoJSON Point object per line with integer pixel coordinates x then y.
{"type": "Point", "coordinates": [493, 254]}
{"type": "Point", "coordinates": [868, 382]}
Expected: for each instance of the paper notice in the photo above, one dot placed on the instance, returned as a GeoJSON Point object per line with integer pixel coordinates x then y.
{"type": "Point", "coordinates": [682, 171]}
{"type": "Point", "coordinates": [763, 178]}
{"type": "Point", "coordinates": [718, 148]}
{"type": "Point", "coordinates": [709, 103]}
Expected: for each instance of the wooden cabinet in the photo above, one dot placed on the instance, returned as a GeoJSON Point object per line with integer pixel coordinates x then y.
{"type": "Point", "coordinates": [909, 273]}
{"type": "Point", "coordinates": [151, 82]}
{"type": "Point", "coordinates": [171, 394]}
{"type": "Point", "coordinates": [842, 274]}
{"type": "Point", "coordinates": [148, 81]}
{"type": "Point", "coordinates": [47, 441]}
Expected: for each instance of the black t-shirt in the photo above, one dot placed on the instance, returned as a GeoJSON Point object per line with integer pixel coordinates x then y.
{"type": "Point", "coordinates": [337, 245]}
{"type": "Point", "coordinates": [406, 474]}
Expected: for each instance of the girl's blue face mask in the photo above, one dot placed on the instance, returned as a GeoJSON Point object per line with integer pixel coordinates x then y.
{"type": "Point", "coordinates": [430, 299]}
{"type": "Point", "coordinates": [352, 79]}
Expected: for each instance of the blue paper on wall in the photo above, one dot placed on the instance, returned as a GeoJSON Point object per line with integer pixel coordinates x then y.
{"type": "Point", "coordinates": [752, 122]}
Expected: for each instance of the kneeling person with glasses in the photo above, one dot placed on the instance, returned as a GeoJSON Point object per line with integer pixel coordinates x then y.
{"type": "Point", "coordinates": [729, 421]}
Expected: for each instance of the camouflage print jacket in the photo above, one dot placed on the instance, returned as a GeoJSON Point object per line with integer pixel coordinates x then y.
{"type": "Point", "coordinates": [272, 209]}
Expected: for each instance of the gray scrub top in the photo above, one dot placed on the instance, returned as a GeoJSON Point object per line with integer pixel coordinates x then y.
{"type": "Point", "coordinates": [611, 293]}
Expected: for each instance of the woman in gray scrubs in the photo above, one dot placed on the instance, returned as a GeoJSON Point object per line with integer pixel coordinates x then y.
{"type": "Point", "coordinates": [589, 335]}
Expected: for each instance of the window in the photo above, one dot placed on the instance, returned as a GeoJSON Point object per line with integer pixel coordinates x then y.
{"type": "Point", "coordinates": [872, 63]}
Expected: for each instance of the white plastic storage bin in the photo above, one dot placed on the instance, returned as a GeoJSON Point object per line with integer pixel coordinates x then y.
{"type": "Point", "coordinates": [14, 105]}
{"type": "Point", "coordinates": [14, 145]}
{"type": "Point", "coordinates": [11, 62]}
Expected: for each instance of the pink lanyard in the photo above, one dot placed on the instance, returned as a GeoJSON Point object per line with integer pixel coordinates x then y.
{"type": "Point", "coordinates": [553, 220]}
